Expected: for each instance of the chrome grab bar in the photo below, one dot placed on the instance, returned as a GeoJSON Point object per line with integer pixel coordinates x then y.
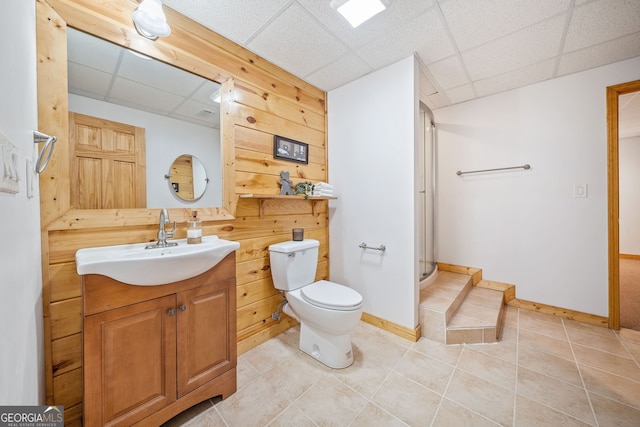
{"type": "Point", "coordinates": [525, 167]}
{"type": "Point", "coordinates": [380, 248]}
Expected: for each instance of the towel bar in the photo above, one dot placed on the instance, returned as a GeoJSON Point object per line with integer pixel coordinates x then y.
{"type": "Point", "coordinates": [380, 248]}
{"type": "Point", "coordinates": [525, 167]}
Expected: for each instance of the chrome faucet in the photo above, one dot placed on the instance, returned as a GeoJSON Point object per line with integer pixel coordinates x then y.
{"type": "Point", "coordinates": [163, 235]}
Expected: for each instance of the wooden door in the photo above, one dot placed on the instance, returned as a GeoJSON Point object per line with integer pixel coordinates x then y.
{"type": "Point", "coordinates": [182, 175]}
{"type": "Point", "coordinates": [108, 164]}
{"type": "Point", "coordinates": [129, 362]}
{"type": "Point", "coordinates": [206, 334]}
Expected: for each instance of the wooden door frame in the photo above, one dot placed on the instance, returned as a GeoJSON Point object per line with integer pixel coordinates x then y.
{"type": "Point", "coordinates": [613, 92]}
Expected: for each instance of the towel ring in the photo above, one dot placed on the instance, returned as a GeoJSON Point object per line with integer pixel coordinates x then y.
{"type": "Point", "coordinates": [49, 143]}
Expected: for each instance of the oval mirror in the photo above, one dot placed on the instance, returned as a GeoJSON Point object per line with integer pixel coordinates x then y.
{"type": "Point", "coordinates": [187, 178]}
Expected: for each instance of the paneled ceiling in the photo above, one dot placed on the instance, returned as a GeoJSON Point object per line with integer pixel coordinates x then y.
{"type": "Point", "coordinates": [467, 48]}
{"type": "Point", "coordinates": [104, 71]}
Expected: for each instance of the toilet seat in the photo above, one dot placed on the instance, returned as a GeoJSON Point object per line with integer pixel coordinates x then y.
{"type": "Point", "coordinates": [331, 295]}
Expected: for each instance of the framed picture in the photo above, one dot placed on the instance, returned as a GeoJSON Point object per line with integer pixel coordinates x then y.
{"type": "Point", "coordinates": [288, 149]}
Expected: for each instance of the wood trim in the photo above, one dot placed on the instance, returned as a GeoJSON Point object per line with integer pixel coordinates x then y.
{"type": "Point", "coordinates": [510, 298]}
{"type": "Point", "coordinates": [402, 331]}
{"type": "Point", "coordinates": [475, 273]}
{"type": "Point", "coordinates": [264, 335]}
{"type": "Point", "coordinates": [629, 256]}
{"type": "Point", "coordinates": [254, 89]}
{"type": "Point", "coordinates": [613, 92]}
{"type": "Point", "coordinates": [112, 21]}
{"type": "Point", "coordinates": [263, 198]}
{"type": "Point", "coordinates": [565, 313]}
{"type": "Point", "coordinates": [507, 289]}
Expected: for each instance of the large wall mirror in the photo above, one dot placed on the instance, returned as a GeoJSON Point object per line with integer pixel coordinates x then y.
{"type": "Point", "coordinates": [178, 113]}
{"type": "Point", "coordinates": [84, 48]}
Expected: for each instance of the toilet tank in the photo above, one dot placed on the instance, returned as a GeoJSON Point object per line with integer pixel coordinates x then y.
{"type": "Point", "coordinates": [293, 263]}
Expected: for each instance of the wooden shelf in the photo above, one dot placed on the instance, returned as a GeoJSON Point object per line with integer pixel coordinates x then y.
{"type": "Point", "coordinates": [264, 197]}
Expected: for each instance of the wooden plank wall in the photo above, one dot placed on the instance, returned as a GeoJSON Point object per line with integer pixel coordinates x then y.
{"type": "Point", "coordinates": [264, 101]}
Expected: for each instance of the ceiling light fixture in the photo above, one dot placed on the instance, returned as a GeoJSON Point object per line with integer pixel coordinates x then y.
{"type": "Point", "coordinates": [358, 11]}
{"type": "Point", "coordinates": [150, 21]}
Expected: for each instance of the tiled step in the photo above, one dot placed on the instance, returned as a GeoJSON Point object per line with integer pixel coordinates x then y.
{"type": "Point", "coordinates": [479, 319]}
{"type": "Point", "coordinates": [453, 311]}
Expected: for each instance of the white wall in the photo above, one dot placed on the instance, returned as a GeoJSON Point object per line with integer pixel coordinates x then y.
{"type": "Point", "coordinates": [372, 129]}
{"type": "Point", "coordinates": [526, 227]}
{"type": "Point", "coordinates": [629, 153]}
{"type": "Point", "coordinates": [166, 139]}
{"type": "Point", "coordinates": [21, 330]}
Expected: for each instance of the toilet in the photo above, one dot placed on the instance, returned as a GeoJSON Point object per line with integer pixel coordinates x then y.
{"type": "Point", "coordinates": [327, 311]}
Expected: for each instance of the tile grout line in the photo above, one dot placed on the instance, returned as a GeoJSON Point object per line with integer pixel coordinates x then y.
{"type": "Point", "coordinates": [391, 370]}
{"type": "Point", "coordinates": [584, 385]}
{"type": "Point", "coordinates": [444, 392]}
{"type": "Point", "coordinates": [623, 342]}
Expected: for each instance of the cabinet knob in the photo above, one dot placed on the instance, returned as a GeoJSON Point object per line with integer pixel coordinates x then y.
{"type": "Point", "coordinates": [182, 307]}
{"type": "Point", "coordinates": [171, 311]}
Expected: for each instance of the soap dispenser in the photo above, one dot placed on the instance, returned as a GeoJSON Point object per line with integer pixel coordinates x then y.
{"type": "Point", "coordinates": [194, 229]}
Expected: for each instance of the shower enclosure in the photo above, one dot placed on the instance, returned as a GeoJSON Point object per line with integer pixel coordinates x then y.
{"type": "Point", "coordinates": [427, 193]}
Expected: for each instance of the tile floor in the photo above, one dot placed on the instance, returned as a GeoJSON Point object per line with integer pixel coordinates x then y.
{"type": "Point", "coordinates": [545, 371]}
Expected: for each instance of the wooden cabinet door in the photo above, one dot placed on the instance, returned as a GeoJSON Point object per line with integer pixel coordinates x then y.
{"type": "Point", "coordinates": [130, 362]}
{"type": "Point", "coordinates": [108, 164]}
{"type": "Point", "coordinates": [206, 331]}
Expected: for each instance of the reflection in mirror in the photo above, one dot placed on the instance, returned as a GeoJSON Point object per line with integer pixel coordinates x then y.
{"type": "Point", "coordinates": [187, 178]}
{"type": "Point", "coordinates": [175, 108]}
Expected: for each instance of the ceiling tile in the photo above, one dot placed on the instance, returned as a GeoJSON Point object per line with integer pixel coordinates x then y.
{"type": "Point", "coordinates": [602, 54]}
{"type": "Point", "coordinates": [88, 81]}
{"type": "Point", "coordinates": [196, 112]}
{"type": "Point", "coordinates": [297, 42]}
{"type": "Point", "coordinates": [397, 14]}
{"type": "Point", "coordinates": [473, 23]}
{"type": "Point", "coordinates": [132, 94]}
{"type": "Point", "coordinates": [434, 42]}
{"type": "Point", "coordinates": [204, 93]}
{"type": "Point", "coordinates": [158, 75]}
{"type": "Point", "coordinates": [424, 34]}
{"type": "Point", "coordinates": [237, 20]}
{"type": "Point", "coordinates": [461, 93]}
{"type": "Point", "coordinates": [601, 21]}
{"type": "Point", "coordinates": [91, 51]}
{"type": "Point", "coordinates": [517, 78]}
{"type": "Point", "coordinates": [438, 100]}
{"type": "Point", "coordinates": [448, 72]}
{"type": "Point", "coordinates": [344, 70]}
{"type": "Point", "coordinates": [528, 46]}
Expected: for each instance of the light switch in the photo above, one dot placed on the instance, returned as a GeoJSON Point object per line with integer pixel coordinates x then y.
{"type": "Point", "coordinates": [580, 190]}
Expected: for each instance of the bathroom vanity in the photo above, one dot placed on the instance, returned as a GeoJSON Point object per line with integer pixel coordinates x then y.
{"type": "Point", "coordinates": [150, 352]}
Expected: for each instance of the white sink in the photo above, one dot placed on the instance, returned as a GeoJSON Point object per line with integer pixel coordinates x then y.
{"type": "Point", "coordinates": [135, 265]}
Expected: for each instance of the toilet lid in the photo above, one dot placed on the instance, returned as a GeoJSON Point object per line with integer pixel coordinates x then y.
{"type": "Point", "coordinates": [331, 295]}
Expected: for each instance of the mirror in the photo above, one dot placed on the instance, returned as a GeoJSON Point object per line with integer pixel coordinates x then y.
{"type": "Point", "coordinates": [187, 178]}
{"type": "Point", "coordinates": [179, 112]}
{"type": "Point", "coordinates": [190, 47]}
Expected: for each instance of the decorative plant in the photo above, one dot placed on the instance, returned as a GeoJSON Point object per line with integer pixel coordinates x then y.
{"type": "Point", "coordinates": [305, 188]}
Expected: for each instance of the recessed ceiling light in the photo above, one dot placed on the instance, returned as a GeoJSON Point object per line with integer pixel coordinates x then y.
{"type": "Point", "coordinates": [358, 11]}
